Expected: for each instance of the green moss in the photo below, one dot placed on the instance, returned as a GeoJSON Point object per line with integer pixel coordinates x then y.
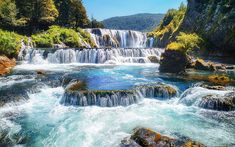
{"type": "Point", "coordinates": [10, 43]}
{"type": "Point", "coordinates": [58, 35]}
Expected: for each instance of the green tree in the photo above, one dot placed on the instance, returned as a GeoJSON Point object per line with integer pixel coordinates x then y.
{"type": "Point", "coordinates": [77, 15]}
{"type": "Point", "coordinates": [7, 13]}
{"type": "Point", "coordinates": [72, 13]}
{"type": "Point", "coordinates": [96, 24]}
{"type": "Point", "coordinates": [47, 11]}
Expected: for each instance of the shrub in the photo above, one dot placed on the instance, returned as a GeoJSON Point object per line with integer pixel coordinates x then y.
{"type": "Point", "coordinates": [170, 22]}
{"type": "Point", "coordinates": [10, 43]}
{"type": "Point", "coordinates": [185, 42]}
{"type": "Point", "coordinates": [58, 35]}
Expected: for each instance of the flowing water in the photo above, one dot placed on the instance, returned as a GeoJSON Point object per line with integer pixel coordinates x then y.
{"type": "Point", "coordinates": [42, 118]}
{"type": "Point", "coordinates": [120, 38]}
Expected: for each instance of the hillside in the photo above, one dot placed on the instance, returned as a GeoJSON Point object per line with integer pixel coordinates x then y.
{"type": "Point", "coordinates": [138, 22]}
{"type": "Point", "coordinates": [211, 20]}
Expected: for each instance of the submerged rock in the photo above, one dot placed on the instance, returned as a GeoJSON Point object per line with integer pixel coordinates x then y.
{"type": "Point", "coordinates": [146, 137]}
{"type": "Point", "coordinates": [6, 65]}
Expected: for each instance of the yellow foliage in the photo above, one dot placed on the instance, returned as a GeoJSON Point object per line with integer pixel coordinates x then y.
{"type": "Point", "coordinates": [175, 46]}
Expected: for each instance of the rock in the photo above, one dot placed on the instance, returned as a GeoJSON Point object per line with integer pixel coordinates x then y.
{"type": "Point", "coordinates": [214, 87]}
{"type": "Point", "coordinates": [173, 61]}
{"type": "Point", "coordinates": [41, 72]}
{"type": "Point", "coordinates": [230, 67]}
{"type": "Point", "coordinates": [76, 86]}
{"type": "Point", "coordinates": [127, 142]}
{"type": "Point", "coordinates": [202, 65]}
{"type": "Point", "coordinates": [13, 140]}
{"type": "Point", "coordinates": [154, 59]}
{"type": "Point", "coordinates": [6, 65]}
{"type": "Point", "coordinates": [60, 46]}
{"type": "Point", "coordinates": [146, 137]}
{"type": "Point", "coordinates": [219, 79]}
{"type": "Point", "coordinates": [218, 102]}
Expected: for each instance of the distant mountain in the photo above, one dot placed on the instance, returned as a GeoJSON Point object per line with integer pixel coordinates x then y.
{"type": "Point", "coordinates": [139, 22]}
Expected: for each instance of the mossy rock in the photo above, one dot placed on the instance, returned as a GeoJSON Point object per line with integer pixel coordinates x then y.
{"type": "Point", "coordinates": [219, 79]}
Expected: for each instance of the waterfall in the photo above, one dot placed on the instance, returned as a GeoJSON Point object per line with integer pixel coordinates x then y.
{"type": "Point", "coordinates": [113, 98]}
{"type": "Point", "coordinates": [98, 56]}
{"type": "Point", "coordinates": [118, 38]}
{"type": "Point", "coordinates": [100, 98]}
{"type": "Point", "coordinates": [157, 91]}
{"type": "Point", "coordinates": [209, 99]}
{"type": "Point", "coordinates": [150, 42]}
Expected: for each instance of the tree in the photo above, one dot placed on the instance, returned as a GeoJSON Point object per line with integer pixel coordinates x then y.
{"type": "Point", "coordinates": [7, 13]}
{"type": "Point", "coordinates": [48, 12]}
{"type": "Point", "coordinates": [96, 24]}
{"type": "Point", "coordinates": [77, 15]}
{"type": "Point", "coordinates": [63, 8]}
{"type": "Point", "coordinates": [72, 13]}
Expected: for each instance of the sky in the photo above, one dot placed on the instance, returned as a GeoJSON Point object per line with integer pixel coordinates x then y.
{"type": "Point", "coordinates": [103, 9]}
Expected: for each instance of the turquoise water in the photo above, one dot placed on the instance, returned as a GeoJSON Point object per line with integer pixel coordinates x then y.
{"type": "Point", "coordinates": [47, 123]}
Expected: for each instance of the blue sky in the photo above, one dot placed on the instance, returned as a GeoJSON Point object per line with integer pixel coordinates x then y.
{"type": "Point", "coordinates": [102, 9]}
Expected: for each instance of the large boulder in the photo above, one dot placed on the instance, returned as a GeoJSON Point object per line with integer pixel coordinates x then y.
{"type": "Point", "coordinates": [6, 65]}
{"type": "Point", "coordinates": [174, 61]}
{"type": "Point", "coordinates": [146, 137]}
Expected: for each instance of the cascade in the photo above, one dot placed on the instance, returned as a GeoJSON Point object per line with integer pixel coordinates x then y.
{"type": "Point", "coordinates": [221, 100]}
{"type": "Point", "coordinates": [118, 38]}
{"type": "Point", "coordinates": [110, 56]}
{"type": "Point", "coordinates": [110, 98]}
{"type": "Point", "coordinates": [113, 98]}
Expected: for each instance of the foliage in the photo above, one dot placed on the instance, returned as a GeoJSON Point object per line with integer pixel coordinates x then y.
{"type": "Point", "coordinates": [48, 11]}
{"type": "Point", "coordinates": [59, 35]}
{"type": "Point", "coordinates": [72, 13]}
{"type": "Point", "coordinates": [10, 43]}
{"type": "Point", "coordinates": [138, 22]}
{"type": "Point", "coordinates": [96, 24]}
{"type": "Point", "coordinates": [170, 22]}
{"type": "Point", "coordinates": [185, 42]}
{"type": "Point", "coordinates": [7, 12]}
